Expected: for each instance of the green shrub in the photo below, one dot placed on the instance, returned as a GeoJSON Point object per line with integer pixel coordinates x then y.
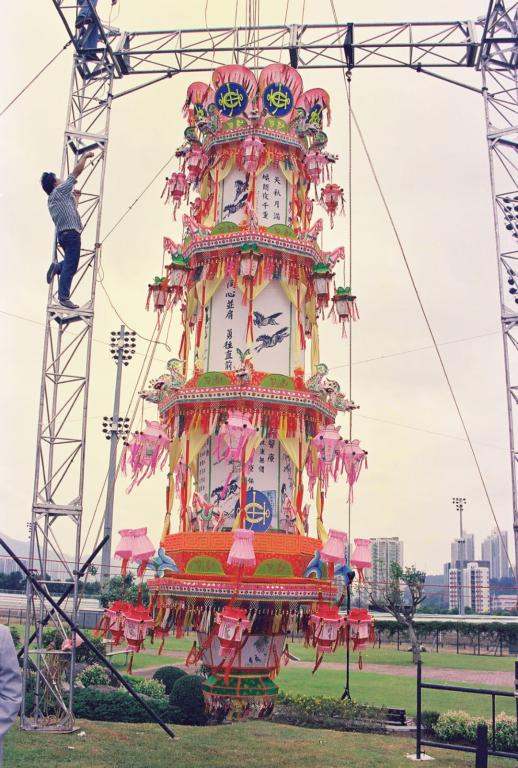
{"type": "Point", "coordinates": [187, 697]}
{"type": "Point", "coordinates": [429, 719]}
{"type": "Point", "coordinates": [168, 676]}
{"type": "Point", "coordinates": [325, 711]}
{"type": "Point", "coordinates": [155, 689]}
{"type": "Point", "coordinates": [506, 739]}
{"type": "Point", "coordinates": [95, 674]}
{"type": "Point", "coordinates": [116, 706]}
{"type": "Point", "coordinates": [15, 634]}
{"type": "Point", "coordinates": [84, 654]}
{"type": "Point", "coordinates": [459, 726]}
{"type": "Point", "coordinates": [452, 725]}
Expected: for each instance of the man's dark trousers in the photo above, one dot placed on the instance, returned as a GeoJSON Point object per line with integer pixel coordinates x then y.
{"type": "Point", "coordinates": [70, 241]}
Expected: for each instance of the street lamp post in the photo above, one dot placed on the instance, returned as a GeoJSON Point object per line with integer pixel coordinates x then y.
{"type": "Point", "coordinates": [122, 348]}
{"type": "Point", "coordinates": [459, 502]}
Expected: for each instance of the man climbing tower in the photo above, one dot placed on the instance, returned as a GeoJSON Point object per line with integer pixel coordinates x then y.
{"type": "Point", "coordinates": [62, 204]}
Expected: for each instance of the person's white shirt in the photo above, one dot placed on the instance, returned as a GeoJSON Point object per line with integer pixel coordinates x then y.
{"type": "Point", "coordinates": [10, 684]}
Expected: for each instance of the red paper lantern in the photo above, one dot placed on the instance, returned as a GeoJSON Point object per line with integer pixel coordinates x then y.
{"type": "Point", "coordinates": [233, 623]}
{"type": "Point", "coordinates": [195, 162]}
{"type": "Point", "coordinates": [331, 197]}
{"type": "Point", "coordinates": [136, 626]}
{"type": "Point", "coordinates": [361, 628]}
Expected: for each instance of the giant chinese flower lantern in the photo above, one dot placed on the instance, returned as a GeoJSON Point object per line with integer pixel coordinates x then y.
{"type": "Point", "coordinates": [250, 429]}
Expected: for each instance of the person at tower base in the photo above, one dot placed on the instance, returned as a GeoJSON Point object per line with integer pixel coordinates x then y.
{"type": "Point", "coordinates": [10, 684]}
{"type": "Point", "coordinates": [62, 204]}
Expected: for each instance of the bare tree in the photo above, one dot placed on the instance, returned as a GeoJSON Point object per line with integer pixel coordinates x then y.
{"type": "Point", "coordinates": [391, 599]}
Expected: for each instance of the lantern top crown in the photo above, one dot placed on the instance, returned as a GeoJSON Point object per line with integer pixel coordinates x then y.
{"type": "Point", "coordinates": [275, 100]}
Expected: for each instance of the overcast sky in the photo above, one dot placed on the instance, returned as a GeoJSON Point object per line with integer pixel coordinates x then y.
{"type": "Point", "coordinates": [427, 141]}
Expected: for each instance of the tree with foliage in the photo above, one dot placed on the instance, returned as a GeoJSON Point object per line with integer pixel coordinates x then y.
{"type": "Point", "coordinates": [391, 599]}
{"type": "Point", "coordinates": [123, 588]}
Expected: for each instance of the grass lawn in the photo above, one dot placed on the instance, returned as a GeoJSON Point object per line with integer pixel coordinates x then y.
{"type": "Point", "coordinates": [248, 745]}
{"type": "Point", "coordinates": [385, 690]}
{"type": "Point", "coordinates": [402, 658]}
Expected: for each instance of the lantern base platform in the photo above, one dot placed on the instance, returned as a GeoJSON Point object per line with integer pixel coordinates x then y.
{"type": "Point", "coordinates": [260, 687]}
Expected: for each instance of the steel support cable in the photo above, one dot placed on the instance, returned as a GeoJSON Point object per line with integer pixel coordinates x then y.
{"type": "Point", "coordinates": [427, 321]}
{"type": "Point", "coordinates": [53, 59]}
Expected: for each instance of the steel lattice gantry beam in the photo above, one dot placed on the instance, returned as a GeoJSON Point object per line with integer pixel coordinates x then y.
{"type": "Point", "coordinates": [148, 57]}
{"type": "Point", "coordinates": [498, 64]}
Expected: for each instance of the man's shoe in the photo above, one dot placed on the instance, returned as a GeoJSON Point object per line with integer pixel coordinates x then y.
{"type": "Point", "coordinates": [68, 304]}
{"type": "Point", "coordinates": [51, 271]}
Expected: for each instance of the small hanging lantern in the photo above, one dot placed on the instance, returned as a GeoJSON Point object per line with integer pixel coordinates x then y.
{"type": "Point", "coordinates": [353, 458]}
{"type": "Point", "coordinates": [322, 277]}
{"type": "Point", "coordinates": [250, 259]}
{"type": "Point", "coordinates": [308, 326]}
{"type": "Point", "coordinates": [158, 291]}
{"type": "Point", "coordinates": [327, 445]}
{"type": "Point", "coordinates": [195, 162]}
{"type": "Point", "coordinates": [137, 623]}
{"type": "Point", "coordinates": [331, 197]}
{"type": "Point", "coordinates": [233, 623]}
{"type": "Point", "coordinates": [134, 546]}
{"type": "Point", "coordinates": [361, 558]}
{"type": "Point", "coordinates": [333, 550]}
{"type": "Point", "coordinates": [344, 307]}
{"type": "Point", "coordinates": [242, 549]}
{"type": "Point", "coordinates": [233, 436]}
{"type": "Point", "coordinates": [175, 187]}
{"type": "Point", "coordinates": [328, 630]}
{"type": "Point", "coordinates": [360, 625]}
{"type": "Point", "coordinates": [250, 154]}
{"type": "Point", "coordinates": [113, 621]}
{"type": "Point", "coordinates": [145, 452]}
{"type": "Point", "coordinates": [314, 163]}
{"type": "Point", "coordinates": [177, 275]}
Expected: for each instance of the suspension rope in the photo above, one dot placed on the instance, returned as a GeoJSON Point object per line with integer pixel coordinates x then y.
{"type": "Point", "coordinates": [53, 59]}
{"type": "Point", "coordinates": [424, 314]}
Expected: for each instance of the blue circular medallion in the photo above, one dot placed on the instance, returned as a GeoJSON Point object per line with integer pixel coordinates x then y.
{"type": "Point", "coordinates": [258, 511]}
{"type": "Point", "coordinates": [278, 99]}
{"type": "Point", "coordinates": [231, 99]}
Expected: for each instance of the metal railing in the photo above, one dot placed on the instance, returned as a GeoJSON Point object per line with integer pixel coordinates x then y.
{"type": "Point", "coordinates": [485, 745]}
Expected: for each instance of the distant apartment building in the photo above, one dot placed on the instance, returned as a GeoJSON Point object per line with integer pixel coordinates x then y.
{"type": "Point", "coordinates": [494, 549]}
{"type": "Point", "coordinates": [384, 553]}
{"type": "Point", "coordinates": [474, 578]}
{"type": "Point", "coordinates": [463, 549]}
{"type": "Point", "coordinates": [504, 602]}
{"type": "Point", "coordinates": [8, 565]}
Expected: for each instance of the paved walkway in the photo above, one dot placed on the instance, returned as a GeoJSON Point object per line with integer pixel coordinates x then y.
{"type": "Point", "coordinates": [500, 679]}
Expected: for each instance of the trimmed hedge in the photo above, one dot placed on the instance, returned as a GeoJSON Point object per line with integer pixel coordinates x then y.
{"type": "Point", "coordinates": [155, 689]}
{"type": "Point", "coordinates": [168, 676]}
{"type": "Point", "coordinates": [187, 700]}
{"type": "Point", "coordinates": [117, 706]}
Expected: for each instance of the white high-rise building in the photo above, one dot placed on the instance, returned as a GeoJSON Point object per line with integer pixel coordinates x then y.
{"type": "Point", "coordinates": [493, 550]}
{"type": "Point", "coordinates": [384, 553]}
{"type": "Point", "coordinates": [475, 587]}
{"type": "Point", "coordinates": [463, 549]}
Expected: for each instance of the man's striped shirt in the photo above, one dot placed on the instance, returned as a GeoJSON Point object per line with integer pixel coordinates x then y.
{"type": "Point", "coordinates": [62, 206]}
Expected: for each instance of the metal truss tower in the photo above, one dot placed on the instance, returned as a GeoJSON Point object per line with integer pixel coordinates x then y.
{"type": "Point", "coordinates": [498, 62]}
{"type": "Point", "coordinates": [57, 506]}
{"type": "Point", "coordinates": [144, 58]}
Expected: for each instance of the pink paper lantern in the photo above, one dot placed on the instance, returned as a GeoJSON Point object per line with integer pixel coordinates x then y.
{"type": "Point", "coordinates": [145, 452]}
{"type": "Point", "coordinates": [175, 187]}
{"type": "Point", "coordinates": [353, 458]}
{"type": "Point", "coordinates": [195, 162]}
{"type": "Point", "coordinates": [233, 623]}
{"type": "Point", "coordinates": [314, 163]}
{"type": "Point", "coordinates": [331, 197]}
{"type": "Point", "coordinates": [233, 437]}
{"type": "Point", "coordinates": [137, 624]}
{"type": "Point", "coordinates": [361, 558]}
{"type": "Point", "coordinates": [333, 550]}
{"type": "Point", "coordinates": [250, 154]}
{"type": "Point", "coordinates": [361, 628]}
{"type": "Point", "coordinates": [242, 549]}
{"type": "Point", "coordinates": [134, 546]}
